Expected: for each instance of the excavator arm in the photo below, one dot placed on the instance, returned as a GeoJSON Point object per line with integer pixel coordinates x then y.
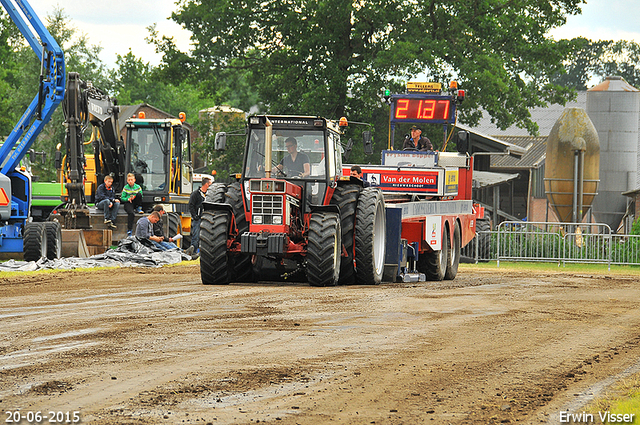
{"type": "Point", "coordinates": [85, 104]}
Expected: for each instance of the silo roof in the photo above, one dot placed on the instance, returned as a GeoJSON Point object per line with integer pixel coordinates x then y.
{"type": "Point", "coordinates": [613, 84]}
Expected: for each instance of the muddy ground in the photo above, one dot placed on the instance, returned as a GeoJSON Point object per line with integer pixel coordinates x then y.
{"type": "Point", "coordinates": [153, 346]}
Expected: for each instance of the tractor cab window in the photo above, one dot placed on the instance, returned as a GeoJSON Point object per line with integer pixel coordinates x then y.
{"type": "Point", "coordinates": [307, 145]}
{"type": "Point", "coordinates": [149, 151]}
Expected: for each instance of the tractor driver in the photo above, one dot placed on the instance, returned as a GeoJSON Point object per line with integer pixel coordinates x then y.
{"type": "Point", "coordinates": [296, 164]}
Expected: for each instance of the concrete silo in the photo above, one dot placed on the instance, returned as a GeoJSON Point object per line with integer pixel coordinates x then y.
{"type": "Point", "coordinates": [614, 109]}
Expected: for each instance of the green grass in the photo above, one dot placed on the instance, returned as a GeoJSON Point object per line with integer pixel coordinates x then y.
{"type": "Point", "coordinates": [555, 267]}
{"type": "Point", "coordinates": [622, 398]}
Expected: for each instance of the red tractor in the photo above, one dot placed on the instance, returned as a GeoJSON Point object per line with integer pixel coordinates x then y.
{"type": "Point", "coordinates": [292, 212]}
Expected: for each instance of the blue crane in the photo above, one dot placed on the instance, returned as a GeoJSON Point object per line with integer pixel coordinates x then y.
{"type": "Point", "coordinates": [17, 233]}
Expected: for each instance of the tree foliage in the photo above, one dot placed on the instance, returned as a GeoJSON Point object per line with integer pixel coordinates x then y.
{"type": "Point", "coordinates": [591, 61]}
{"type": "Point", "coordinates": [334, 58]}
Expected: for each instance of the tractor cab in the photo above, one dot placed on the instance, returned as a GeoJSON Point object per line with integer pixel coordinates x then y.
{"type": "Point", "coordinates": [304, 151]}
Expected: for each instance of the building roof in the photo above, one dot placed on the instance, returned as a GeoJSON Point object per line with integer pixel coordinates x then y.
{"type": "Point", "coordinates": [614, 84]}
{"type": "Point", "coordinates": [483, 179]}
{"type": "Point", "coordinates": [536, 146]}
{"type": "Point", "coordinates": [533, 158]}
{"type": "Point", "coordinates": [545, 117]}
{"type": "Point", "coordinates": [485, 143]}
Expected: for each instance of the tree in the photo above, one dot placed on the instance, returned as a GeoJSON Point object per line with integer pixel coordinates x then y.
{"type": "Point", "coordinates": [334, 58]}
{"type": "Point", "coordinates": [583, 64]}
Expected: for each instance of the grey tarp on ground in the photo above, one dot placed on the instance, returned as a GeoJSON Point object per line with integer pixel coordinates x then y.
{"type": "Point", "coordinates": [131, 252]}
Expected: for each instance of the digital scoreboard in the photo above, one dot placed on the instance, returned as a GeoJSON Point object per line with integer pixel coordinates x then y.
{"type": "Point", "coordinates": [423, 108]}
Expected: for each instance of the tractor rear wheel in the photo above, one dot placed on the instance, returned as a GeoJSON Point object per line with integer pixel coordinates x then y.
{"type": "Point", "coordinates": [324, 249]}
{"type": "Point", "coordinates": [370, 237]}
{"type": "Point", "coordinates": [54, 239]}
{"type": "Point", "coordinates": [216, 264]}
{"type": "Point", "coordinates": [242, 262]}
{"type": "Point", "coordinates": [34, 241]}
{"type": "Point", "coordinates": [434, 264]}
{"type": "Point", "coordinates": [216, 193]}
{"type": "Point", "coordinates": [346, 198]}
{"type": "Point", "coordinates": [454, 255]}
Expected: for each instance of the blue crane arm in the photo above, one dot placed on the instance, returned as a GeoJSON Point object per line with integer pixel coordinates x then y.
{"type": "Point", "coordinates": [50, 93]}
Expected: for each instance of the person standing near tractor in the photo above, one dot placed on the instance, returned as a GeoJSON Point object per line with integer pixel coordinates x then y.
{"type": "Point", "coordinates": [195, 209]}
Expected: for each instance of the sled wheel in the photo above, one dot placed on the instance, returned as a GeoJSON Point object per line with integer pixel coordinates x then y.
{"type": "Point", "coordinates": [454, 255]}
{"type": "Point", "coordinates": [434, 264]}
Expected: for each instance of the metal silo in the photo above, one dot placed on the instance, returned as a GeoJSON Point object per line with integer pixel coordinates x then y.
{"type": "Point", "coordinates": [614, 109]}
{"type": "Point", "coordinates": [572, 165]}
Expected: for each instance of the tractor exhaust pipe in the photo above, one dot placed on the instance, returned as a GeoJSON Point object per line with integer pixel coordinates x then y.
{"type": "Point", "coordinates": [268, 134]}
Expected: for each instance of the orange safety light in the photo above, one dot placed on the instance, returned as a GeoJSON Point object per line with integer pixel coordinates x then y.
{"type": "Point", "coordinates": [141, 115]}
{"type": "Point", "coordinates": [214, 172]}
{"type": "Point", "coordinates": [182, 116]}
{"type": "Point", "coordinates": [453, 85]}
{"type": "Point", "coordinates": [343, 122]}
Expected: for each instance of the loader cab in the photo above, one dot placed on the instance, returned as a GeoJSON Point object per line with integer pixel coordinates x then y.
{"type": "Point", "coordinates": [158, 152]}
{"type": "Point", "coordinates": [317, 139]}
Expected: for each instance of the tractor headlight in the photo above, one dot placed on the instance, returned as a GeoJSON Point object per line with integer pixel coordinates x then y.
{"type": "Point", "coordinates": [257, 219]}
{"type": "Point", "coordinates": [277, 219]}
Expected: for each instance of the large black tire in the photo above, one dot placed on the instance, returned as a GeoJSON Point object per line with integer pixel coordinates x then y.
{"type": "Point", "coordinates": [54, 239]}
{"type": "Point", "coordinates": [242, 262]}
{"type": "Point", "coordinates": [346, 198]}
{"type": "Point", "coordinates": [216, 265]}
{"type": "Point", "coordinates": [454, 254]}
{"type": "Point", "coordinates": [175, 227]}
{"type": "Point", "coordinates": [434, 264]}
{"type": "Point", "coordinates": [483, 227]}
{"type": "Point", "coordinates": [483, 240]}
{"type": "Point", "coordinates": [175, 224]}
{"type": "Point", "coordinates": [324, 249]}
{"type": "Point", "coordinates": [370, 237]}
{"type": "Point", "coordinates": [34, 241]}
{"type": "Point", "coordinates": [216, 192]}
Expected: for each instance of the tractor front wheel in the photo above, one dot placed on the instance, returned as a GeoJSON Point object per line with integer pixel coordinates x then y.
{"type": "Point", "coordinates": [324, 249]}
{"type": "Point", "coordinates": [216, 264]}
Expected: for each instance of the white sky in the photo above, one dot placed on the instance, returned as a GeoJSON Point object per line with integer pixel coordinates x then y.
{"type": "Point", "coordinates": [118, 25]}
{"type": "Point", "coordinates": [603, 20]}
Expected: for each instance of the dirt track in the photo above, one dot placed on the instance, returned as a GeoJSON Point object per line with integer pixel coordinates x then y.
{"type": "Point", "coordinates": [157, 346]}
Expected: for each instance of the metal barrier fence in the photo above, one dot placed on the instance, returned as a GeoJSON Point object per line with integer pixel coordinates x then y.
{"type": "Point", "coordinates": [554, 242]}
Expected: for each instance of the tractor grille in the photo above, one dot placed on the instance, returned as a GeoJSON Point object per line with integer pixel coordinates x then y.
{"type": "Point", "coordinates": [267, 205]}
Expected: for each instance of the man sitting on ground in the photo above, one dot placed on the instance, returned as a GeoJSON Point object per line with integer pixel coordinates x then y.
{"type": "Point", "coordinates": [144, 230]}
